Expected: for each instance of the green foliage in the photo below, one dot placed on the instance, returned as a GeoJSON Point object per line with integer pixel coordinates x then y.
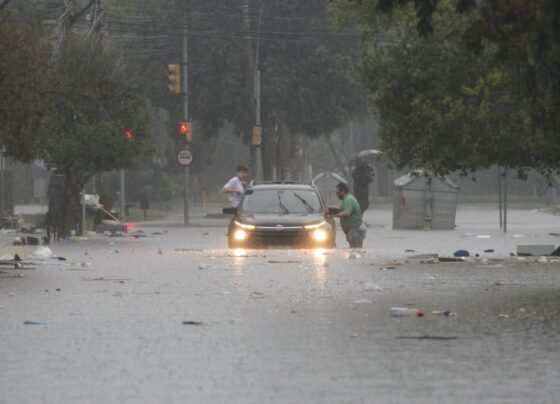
{"type": "Point", "coordinates": [447, 108]}
{"type": "Point", "coordinates": [514, 25]}
{"type": "Point", "coordinates": [23, 86]}
{"type": "Point", "coordinates": [417, 89]}
{"type": "Point", "coordinates": [94, 102]}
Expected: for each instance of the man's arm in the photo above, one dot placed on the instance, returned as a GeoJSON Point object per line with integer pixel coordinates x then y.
{"type": "Point", "coordinates": [344, 213]}
{"type": "Point", "coordinates": [229, 188]}
{"type": "Point", "coordinates": [345, 209]}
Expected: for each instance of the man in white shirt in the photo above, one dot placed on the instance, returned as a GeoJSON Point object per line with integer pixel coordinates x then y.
{"type": "Point", "coordinates": [235, 187]}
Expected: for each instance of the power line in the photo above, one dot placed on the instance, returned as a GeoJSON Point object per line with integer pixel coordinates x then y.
{"type": "Point", "coordinates": [123, 26]}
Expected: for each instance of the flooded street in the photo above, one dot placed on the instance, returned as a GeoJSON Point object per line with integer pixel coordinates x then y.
{"type": "Point", "coordinates": [409, 148]}
{"type": "Point", "coordinates": [175, 317]}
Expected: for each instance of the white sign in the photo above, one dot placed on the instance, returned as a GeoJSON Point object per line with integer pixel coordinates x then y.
{"type": "Point", "coordinates": [185, 158]}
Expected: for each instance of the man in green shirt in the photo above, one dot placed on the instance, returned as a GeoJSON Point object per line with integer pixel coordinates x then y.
{"type": "Point", "coordinates": [350, 217]}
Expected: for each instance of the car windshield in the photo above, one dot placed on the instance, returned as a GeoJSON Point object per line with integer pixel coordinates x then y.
{"type": "Point", "coordinates": [281, 201]}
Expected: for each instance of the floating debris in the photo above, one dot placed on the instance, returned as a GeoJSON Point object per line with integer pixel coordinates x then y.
{"type": "Point", "coordinates": [30, 322]}
{"type": "Point", "coordinates": [445, 313]}
{"type": "Point", "coordinates": [285, 262]}
{"type": "Point", "coordinates": [428, 337]}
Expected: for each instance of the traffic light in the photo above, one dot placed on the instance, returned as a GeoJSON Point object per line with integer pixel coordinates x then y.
{"type": "Point", "coordinates": [129, 134]}
{"type": "Point", "coordinates": [174, 76]}
{"type": "Point", "coordinates": [185, 129]}
{"type": "Point", "coordinates": [257, 136]}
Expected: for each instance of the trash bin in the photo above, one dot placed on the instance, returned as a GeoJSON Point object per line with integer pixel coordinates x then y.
{"type": "Point", "coordinates": [424, 201]}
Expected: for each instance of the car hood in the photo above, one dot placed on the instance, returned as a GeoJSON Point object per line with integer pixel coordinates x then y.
{"type": "Point", "coordinates": [284, 220]}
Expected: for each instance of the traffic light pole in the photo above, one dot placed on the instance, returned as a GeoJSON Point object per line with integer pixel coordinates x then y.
{"type": "Point", "coordinates": [185, 92]}
{"type": "Point", "coordinates": [258, 142]}
{"type": "Point", "coordinates": [258, 151]}
{"type": "Point", "coordinates": [123, 202]}
{"type": "Point", "coordinates": [2, 182]}
{"type": "Point", "coordinates": [83, 211]}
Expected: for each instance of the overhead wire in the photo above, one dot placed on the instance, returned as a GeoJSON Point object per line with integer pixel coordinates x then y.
{"type": "Point", "coordinates": [143, 28]}
{"type": "Point", "coordinates": [267, 35]}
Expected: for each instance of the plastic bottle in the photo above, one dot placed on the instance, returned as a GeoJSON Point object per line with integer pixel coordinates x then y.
{"type": "Point", "coordinates": [445, 313]}
{"type": "Point", "coordinates": [405, 312]}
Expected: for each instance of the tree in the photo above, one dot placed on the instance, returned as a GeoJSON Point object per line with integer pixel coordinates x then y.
{"type": "Point", "coordinates": [94, 103]}
{"type": "Point", "coordinates": [448, 103]}
{"type": "Point", "coordinates": [23, 86]}
{"type": "Point", "coordinates": [496, 21]}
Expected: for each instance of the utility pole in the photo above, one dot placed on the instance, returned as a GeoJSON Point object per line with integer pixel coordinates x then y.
{"type": "Point", "coordinates": [122, 195]}
{"type": "Point", "coordinates": [67, 20]}
{"type": "Point", "coordinates": [2, 182]}
{"type": "Point", "coordinates": [257, 135]}
{"type": "Point", "coordinates": [96, 18]}
{"type": "Point", "coordinates": [500, 205]}
{"type": "Point", "coordinates": [251, 66]}
{"type": "Point", "coordinates": [83, 211]}
{"type": "Point", "coordinates": [505, 175]}
{"type": "Point", "coordinates": [257, 131]}
{"type": "Point", "coordinates": [185, 75]}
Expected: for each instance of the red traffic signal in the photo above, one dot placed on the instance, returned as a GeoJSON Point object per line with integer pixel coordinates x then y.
{"type": "Point", "coordinates": [184, 128]}
{"type": "Point", "coordinates": [129, 134]}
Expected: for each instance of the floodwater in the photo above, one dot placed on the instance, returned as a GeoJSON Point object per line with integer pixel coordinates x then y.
{"type": "Point", "coordinates": [175, 317]}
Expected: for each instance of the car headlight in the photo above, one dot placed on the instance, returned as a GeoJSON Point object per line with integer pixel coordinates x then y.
{"type": "Point", "coordinates": [245, 225]}
{"type": "Point", "coordinates": [240, 235]}
{"type": "Point", "coordinates": [315, 226]}
{"type": "Point", "coordinates": [320, 235]}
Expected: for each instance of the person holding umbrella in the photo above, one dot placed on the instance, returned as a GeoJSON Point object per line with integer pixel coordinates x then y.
{"type": "Point", "coordinates": [362, 175]}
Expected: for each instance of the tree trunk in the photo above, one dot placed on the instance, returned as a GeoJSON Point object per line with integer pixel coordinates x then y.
{"type": "Point", "coordinates": [68, 206]}
{"type": "Point", "coordinates": [69, 219]}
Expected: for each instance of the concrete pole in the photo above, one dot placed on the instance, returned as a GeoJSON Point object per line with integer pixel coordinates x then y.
{"type": "Point", "coordinates": [185, 75]}
{"type": "Point", "coordinates": [122, 195]}
{"type": "Point", "coordinates": [505, 199]}
{"type": "Point", "coordinates": [258, 148]}
{"type": "Point", "coordinates": [500, 198]}
{"type": "Point", "coordinates": [84, 211]}
{"type": "Point", "coordinates": [2, 183]}
{"type": "Point", "coordinates": [258, 151]}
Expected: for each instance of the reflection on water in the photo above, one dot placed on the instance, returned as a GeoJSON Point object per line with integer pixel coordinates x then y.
{"type": "Point", "coordinates": [320, 268]}
{"type": "Point", "coordinates": [239, 259]}
{"type": "Point", "coordinates": [239, 252]}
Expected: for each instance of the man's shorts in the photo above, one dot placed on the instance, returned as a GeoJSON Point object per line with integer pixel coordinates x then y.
{"type": "Point", "coordinates": [355, 237]}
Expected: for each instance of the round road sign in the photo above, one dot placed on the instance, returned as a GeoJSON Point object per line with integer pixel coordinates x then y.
{"type": "Point", "coordinates": [185, 157]}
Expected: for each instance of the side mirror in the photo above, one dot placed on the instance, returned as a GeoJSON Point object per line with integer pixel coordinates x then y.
{"type": "Point", "coordinates": [229, 211]}
{"type": "Point", "coordinates": [333, 211]}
